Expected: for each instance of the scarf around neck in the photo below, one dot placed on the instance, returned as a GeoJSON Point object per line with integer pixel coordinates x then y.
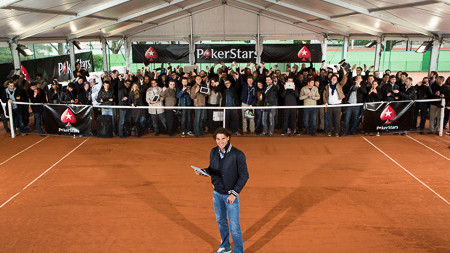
{"type": "Point", "coordinates": [333, 88]}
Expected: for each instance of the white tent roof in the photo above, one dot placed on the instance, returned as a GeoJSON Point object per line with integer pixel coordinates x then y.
{"type": "Point", "coordinates": [30, 21]}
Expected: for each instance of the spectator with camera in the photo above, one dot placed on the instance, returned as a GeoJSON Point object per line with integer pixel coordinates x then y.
{"type": "Point", "coordinates": [154, 99]}
{"type": "Point", "coordinates": [198, 96]}
{"type": "Point", "coordinates": [37, 95]}
{"type": "Point", "coordinates": [123, 93]}
{"type": "Point", "coordinates": [69, 96]}
{"type": "Point", "coordinates": [183, 94]}
{"type": "Point", "coordinates": [270, 98]}
{"type": "Point", "coordinates": [54, 93]}
{"type": "Point", "coordinates": [289, 94]}
{"type": "Point", "coordinates": [310, 95]}
{"type": "Point", "coordinates": [169, 94]}
{"type": "Point", "coordinates": [248, 98]}
{"type": "Point", "coordinates": [333, 95]}
{"type": "Point", "coordinates": [355, 94]}
{"type": "Point", "coordinates": [106, 97]}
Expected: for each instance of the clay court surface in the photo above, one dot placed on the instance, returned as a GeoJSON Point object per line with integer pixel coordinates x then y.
{"type": "Point", "coordinates": [304, 194]}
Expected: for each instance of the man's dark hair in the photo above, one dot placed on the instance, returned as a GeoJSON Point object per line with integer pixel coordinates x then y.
{"type": "Point", "coordinates": [309, 80]}
{"type": "Point", "coordinates": [404, 74]}
{"type": "Point", "coordinates": [392, 76]}
{"type": "Point", "coordinates": [409, 78]}
{"type": "Point", "coordinates": [223, 131]}
{"type": "Point", "coordinates": [359, 68]}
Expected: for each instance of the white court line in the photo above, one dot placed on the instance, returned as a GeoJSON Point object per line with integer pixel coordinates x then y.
{"type": "Point", "coordinates": [448, 159]}
{"type": "Point", "coordinates": [407, 171]}
{"type": "Point", "coordinates": [43, 173]}
{"type": "Point", "coordinates": [22, 151]}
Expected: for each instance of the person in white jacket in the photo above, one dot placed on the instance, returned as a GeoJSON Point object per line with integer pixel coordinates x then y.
{"type": "Point", "coordinates": [154, 99]}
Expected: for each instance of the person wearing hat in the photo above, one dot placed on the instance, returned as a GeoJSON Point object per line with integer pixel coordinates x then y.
{"type": "Point", "coordinates": [37, 95]}
{"type": "Point", "coordinates": [229, 174]}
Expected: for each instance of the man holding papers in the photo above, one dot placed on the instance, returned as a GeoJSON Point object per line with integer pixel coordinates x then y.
{"type": "Point", "coordinates": [228, 170]}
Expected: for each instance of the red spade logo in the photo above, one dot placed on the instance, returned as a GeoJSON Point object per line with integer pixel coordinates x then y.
{"type": "Point", "coordinates": [304, 54]}
{"type": "Point", "coordinates": [25, 73]}
{"type": "Point", "coordinates": [65, 68]}
{"type": "Point", "coordinates": [151, 54]}
{"type": "Point", "coordinates": [388, 114]}
{"type": "Point", "coordinates": [68, 117]}
{"type": "Point", "coordinates": [207, 53]}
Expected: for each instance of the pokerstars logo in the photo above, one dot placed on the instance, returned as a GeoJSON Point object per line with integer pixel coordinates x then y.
{"type": "Point", "coordinates": [388, 115]}
{"type": "Point", "coordinates": [151, 54]}
{"type": "Point", "coordinates": [304, 54]}
{"type": "Point", "coordinates": [65, 67]}
{"type": "Point", "coordinates": [68, 117]}
{"type": "Point", "coordinates": [234, 53]}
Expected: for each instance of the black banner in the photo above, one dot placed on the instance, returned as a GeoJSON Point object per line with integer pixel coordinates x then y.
{"type": "Point", "coordinates": [50, 67]}
{"type": "Point", "coordinates": [160, 53]}
{"type": "Point", "coordinates": [210, 53]}
{"type": "Point", "coordinates": [291, 53]}
{"type": "Point", "coordinates": [68, 119]}
{"type": "Point", "coordinates": [389, 116]}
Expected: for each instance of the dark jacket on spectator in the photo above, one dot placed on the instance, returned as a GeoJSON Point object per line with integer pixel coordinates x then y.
{"type": "Point", "coordinates": [85, 97]}
{"type": "Point", "coordinates": [105, 96]}
{"type": "Point", "coordinates": [40, 98]}
{"type": "Point", "coordinates": [374, 97]}
{"type": "Point", "coordinates": [290, 96]}
{"type": "Point", "coordinates": [229, 92]}
{"type": "Point", "coordinates": [408, 93]}
{"type": "Point", "coordinates": [67, 96]}
{"type": "Point", "coordinates": [185, 98]}
{"type": "Point", "coordinates": [423, 92]}
{"type": "Point", "coordinates": [123, 95]}
{"type": "Point", "coordinates": [54, 97]}
{"type": "Point", "coordinates": [270, 95]}
{"type": "Point", "coordinates": [389, 88]}
{"type": "Point", "coordinates": [248, 94]}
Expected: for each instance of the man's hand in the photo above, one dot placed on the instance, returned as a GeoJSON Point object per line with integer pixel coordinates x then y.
{"type": "Point", "coordinates": [125, 99]}
{"type": "Point", "coordinates": [197, 172]}
{"type": "Point", "coordinates": [231, 198]}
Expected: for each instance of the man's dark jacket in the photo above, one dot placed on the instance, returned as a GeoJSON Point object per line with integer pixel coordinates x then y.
{"type": "Point", "coordinates": [234, 171]}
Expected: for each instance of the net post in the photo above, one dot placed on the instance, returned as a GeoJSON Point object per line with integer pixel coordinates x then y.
{"type": "Point", "coordinates": [11, 120]}
{"type": "Point", "coordinates": [224, 121]}
{"type": "Point", "coordinates": [441, 115]}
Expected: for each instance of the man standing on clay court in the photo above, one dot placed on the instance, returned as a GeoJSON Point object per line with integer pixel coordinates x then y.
{"type": "Point", "coordinates": [228, 170]}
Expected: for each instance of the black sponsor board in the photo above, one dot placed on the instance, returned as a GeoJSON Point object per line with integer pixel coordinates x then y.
{"type": "Point", "coordinates": [153, 53]}
{"type": "Point", "coordinates": [291, 53]}
{"type": "Point", "coordinates": [68, 119]}
{"type": "Point", "coordinates": [389, 116]}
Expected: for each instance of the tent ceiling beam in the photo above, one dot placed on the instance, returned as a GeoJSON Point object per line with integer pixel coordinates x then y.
{"type": "Point", "coordinates": [6, 3]}
{"type": "Point", "coordinates": [94, 29]}
{"type": "Point", "coordinates": [63, 20]}
{"type": "Point", "coordinates": [186, 8]}
{"type": "Point", "coordinates": [388, 18]}
{"type": "Point", "coordinates": [366, 29]}
{"type": "Point", "coordinates": [300, 20]}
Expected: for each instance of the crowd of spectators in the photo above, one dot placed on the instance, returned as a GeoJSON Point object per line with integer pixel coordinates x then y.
{"type": "Point", "coordinates": [231, 86]}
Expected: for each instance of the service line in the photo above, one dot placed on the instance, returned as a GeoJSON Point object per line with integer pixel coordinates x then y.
{"type": "Point", "coordinates": [23, 151]}
{"type": "Point", "coordinates": [407, 171]}
{"type": "Point", "coordinates": [448, 159]}
{"type": "Point", "coordinates": [43, 173]}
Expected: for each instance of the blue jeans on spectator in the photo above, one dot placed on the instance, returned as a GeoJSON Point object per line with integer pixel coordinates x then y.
{"type": "Point", "coordinates": [199, 115]}
{"type": "Point", "coordinates": [258, 118]}
{"type": "Point", "coordinates": [122, 118]}
{"type": "Point", "coordinates": [231, 120]}
{"type": "Point", "coordinates": [155, 121]}
{"type": "Point", "coordinates": [18, 122]}
{"type": "Point", "coordinates": [310, 114]}
{"type": "Point", "coordinates": [351, 115]}
{"type": "Point", "coordinates": [326, 121]}
{"type": "Point", "coordinates": [145, 120]}
{"type": "Point", "coordinates": [38, 120]}
{"type": "Point", "coordinates": [112, 113]}
{"type": "Point", "coordinates": [222, 208]}
{"type": "Point", "coordinates": [186, 120]}
{"type": "Point", "coordinates": [268, 114]}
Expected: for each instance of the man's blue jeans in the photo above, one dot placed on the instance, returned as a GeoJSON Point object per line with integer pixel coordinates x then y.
{"type": "Point", "coordinates": [351, 115]}
{"type": "Point", "coordinates": [199, 115]}
{"type": "Point", "coordinates": [310, 114]}
{"type": "Point", "coordinates": [221, 208]}
{"type": "Point", "coordinates": [38, 120]}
